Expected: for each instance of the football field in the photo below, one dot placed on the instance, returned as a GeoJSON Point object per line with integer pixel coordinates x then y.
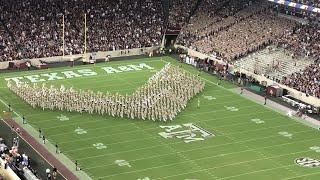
{"type": "Point", "coordinates": [227, 137]}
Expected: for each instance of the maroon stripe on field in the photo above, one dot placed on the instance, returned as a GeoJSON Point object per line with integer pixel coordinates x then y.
{"type": "Point", "coordinates": [53, 161]}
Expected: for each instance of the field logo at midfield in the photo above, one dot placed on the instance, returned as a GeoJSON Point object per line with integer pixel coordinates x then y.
{"type": "Point", "coordinates": [307, 162]}
{"type": "Point", "coordinates": [63, 117]}
{"type": "Point", "coordinates": [187, 132]}
{"type": "Point", "coordinates": [38, 78]}
{"type": "Point", "coordinates": [122, 163]}
{"type": "Point", "coordinates": [80, 131]}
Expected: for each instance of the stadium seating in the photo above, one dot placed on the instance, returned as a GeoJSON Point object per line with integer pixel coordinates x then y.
{"type": "Point", "coordinates": [273, 63]}
{"type": "Point", "coordinates": [307, 80]}
{"type": "Point", "coordinates": [302, 40]}
{"type": "Point", "coordinates": [36, 26]}
{"type": "Point", "coordinates": [179, 12]}
{"type": "Point", "coordinates": [230, 29]}
{"type": "Point", "coordinates": [236, 31]}
{"type": "Point", "coordinates": [314, 3]}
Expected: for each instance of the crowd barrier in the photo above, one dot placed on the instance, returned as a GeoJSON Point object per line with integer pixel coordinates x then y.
{"type": "Point", "coordinates": [85, 57]}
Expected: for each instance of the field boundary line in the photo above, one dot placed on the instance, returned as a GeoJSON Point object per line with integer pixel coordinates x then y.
{"type": "Point", "coordinates": [128, 132]}
{"type": "Point", "coordinates": [204, 169]}
{"type": "Point", "coordinates": [155, 137]}
{"type": "Point", "coordinates": [151, 147]}
{"type": "Point", "coordinates": [304, 175]}
{"type": "Point", "coordinates": [226, 154]}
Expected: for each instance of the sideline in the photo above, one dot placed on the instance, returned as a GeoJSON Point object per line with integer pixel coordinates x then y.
{"type": "Point", "coordinates": [49, 147]}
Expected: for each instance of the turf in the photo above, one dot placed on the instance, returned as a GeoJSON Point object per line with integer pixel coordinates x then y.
{"type": "Point", "coordinates": [240, 149]}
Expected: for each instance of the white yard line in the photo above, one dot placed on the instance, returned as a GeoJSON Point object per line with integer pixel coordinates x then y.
{"type": "Point", "coordinates": [155, 137]}
{"type": "Point", "coordinates": [300, 176]}
{"type": "Point", "coordinates": [226, 154]}
{"type": "Point", "coordinates": [182, 115]}
{"type": "Point", "coordinates": [151, 147]}
{"type": "Point", "coordinates": [3, 102]}
{"type": "Point", "coordinates": [195, 122]}
{"type": "Point", "coordinates": [128, 132]}
{"type": "Point", "coordinates": [203, 169]}
{"type": "Point", "coordinates": [253, 130]}
{"type": "Point", "coordinates": [258, 171]}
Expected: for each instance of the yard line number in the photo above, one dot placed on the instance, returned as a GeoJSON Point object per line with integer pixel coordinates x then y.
{"type": "Point", "coordinates": [62, 118]}
{"type": "Point", "coordinates": [285, 134]}
{"type": "Point", "coordinates": [257, 121]}
{"type": "Point", "coordinates": [231, 108]}
{"type": "Point", "coordinates": [99, 146]}
{"type": "Point", "coordinates": [80, 131]}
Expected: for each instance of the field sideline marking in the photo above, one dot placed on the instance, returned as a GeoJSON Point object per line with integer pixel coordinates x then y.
{"type": "Point", "coordinates": [182, 115]}
{"type": "Point", "coordinates": [138, 130]}
{"type": "Point", "coordinates": [195, 122]}
{"type": "Point", "coordinates": [151, 147]}
{"type": "Point", "coordinates": [37, 141]}
{"type": "Point", "coordinates": [226, 154]}
{"type": "Point", "coordinates": [204, 169]}
{"type": "Point", "coordinates": [304, 175]}
{"type": "Point", "coordinates": [223, 134]}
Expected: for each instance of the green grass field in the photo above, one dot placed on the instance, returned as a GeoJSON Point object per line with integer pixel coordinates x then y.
{"type": "Point", "coordinates": [247, 144]}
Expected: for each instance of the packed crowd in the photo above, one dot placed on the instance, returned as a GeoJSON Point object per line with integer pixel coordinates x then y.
{"type": "Point", "coordinates": [314, 3]}
{"type": "Point", "coordinates": [303, 40]}
{"type": "Point", "coordinates": [7, 46]}
{"type": "Point", "coordinates": [179, 12]}
{"type": "Point", "coordinates": [307, 81]}
{"type": "Point", "coordinates": [161, 99]}
{"type": "Point", "coordinates": [236, 28]}
{"type": "Point", "coordinates": [36, 26]}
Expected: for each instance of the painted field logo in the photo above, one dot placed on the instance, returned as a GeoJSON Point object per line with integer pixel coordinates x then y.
{"type": "Point", "coordinates": [307, 162]}
{"type": "Point", "coordinates": [187, 132]}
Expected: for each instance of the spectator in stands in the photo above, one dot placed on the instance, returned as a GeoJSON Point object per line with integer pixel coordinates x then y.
{"type": "Point", "coordinates": [33, 29]}
{"type": "Point", "coordinates": [234, 29]}
{"type": "Point", "coordinates": [179, 12]}
{"type": "Point", "coordinates": [307, 81]}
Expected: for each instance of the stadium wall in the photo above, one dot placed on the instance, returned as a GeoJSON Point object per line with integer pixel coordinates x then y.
{"type": "Point", "coordinates": [96, 55]}
{"type": "Point", "coordinates": [294, 93]}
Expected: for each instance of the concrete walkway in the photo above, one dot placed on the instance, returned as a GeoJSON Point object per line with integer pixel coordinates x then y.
{"type": "Point", "coordinates": [311, 122]}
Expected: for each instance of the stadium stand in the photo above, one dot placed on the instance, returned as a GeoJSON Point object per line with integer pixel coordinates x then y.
{"type": "Point", "coordinates": [240, 31]}
{"type": "Point", "coordinates": [6, 46]}
{"type": "Point", "coordinates": [273, 62]}
{"type": "Point", "coordinates": [303, 40]}
{"type": "Point", "coordinates": [230, 29]}
{"type": "Point", "coordinates": [36, 26]}
{"type": "Point", "coordinates": [307, 81]}
{"type": "Point", "coordinates": [180, 11]}
{"type": "Point", "coordinates": [314, 3]}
